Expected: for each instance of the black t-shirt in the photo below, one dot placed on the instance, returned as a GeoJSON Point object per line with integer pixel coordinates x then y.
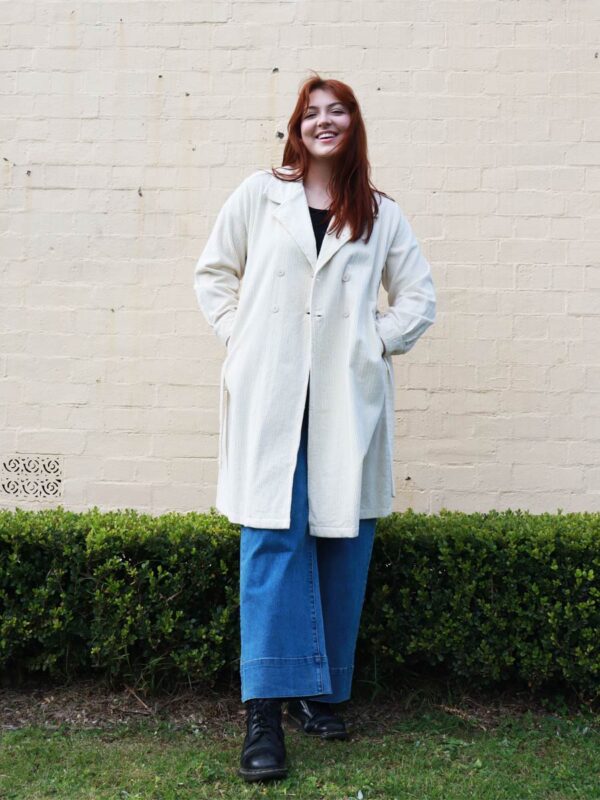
{"type": "Point", "coordinates": [318, 217]}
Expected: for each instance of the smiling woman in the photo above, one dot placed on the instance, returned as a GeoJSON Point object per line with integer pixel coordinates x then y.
{"type": "Point", "coordinates": [307, 406]}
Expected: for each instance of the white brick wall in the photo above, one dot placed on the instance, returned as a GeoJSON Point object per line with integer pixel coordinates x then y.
{"type": "Point", "coordinates": [124, 125]}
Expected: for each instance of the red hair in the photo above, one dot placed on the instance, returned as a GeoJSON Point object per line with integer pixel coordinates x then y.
{"type": "Point", "coordinates": [353, 194]}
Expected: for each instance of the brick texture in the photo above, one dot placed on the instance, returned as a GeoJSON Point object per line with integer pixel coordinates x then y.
{"type": "Point", "coordinates": [125, 125]}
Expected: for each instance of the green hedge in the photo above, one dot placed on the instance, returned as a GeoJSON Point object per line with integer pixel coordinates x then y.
{"type": "Point", "coordinates": [490, 597]}
{"type": "Point", "coordinates": [154, 601]}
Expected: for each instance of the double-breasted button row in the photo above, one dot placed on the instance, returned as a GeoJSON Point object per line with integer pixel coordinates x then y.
{"type": "Point", "coordinates": [345, 277]}
{"type": "Point", "coordinates": [319, 314]}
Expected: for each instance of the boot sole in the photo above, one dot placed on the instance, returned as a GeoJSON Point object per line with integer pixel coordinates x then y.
{"type": "Point", "coordinates": [262, 774]}
{"type": "Point", "coordinates": [298, 724]}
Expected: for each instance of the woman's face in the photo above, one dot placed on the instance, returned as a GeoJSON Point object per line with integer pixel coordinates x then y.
{"type": "Point", "coordinates": [325, 114]}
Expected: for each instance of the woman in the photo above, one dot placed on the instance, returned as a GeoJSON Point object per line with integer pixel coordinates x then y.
{"type": "Point", "coordinates": [307, 406]}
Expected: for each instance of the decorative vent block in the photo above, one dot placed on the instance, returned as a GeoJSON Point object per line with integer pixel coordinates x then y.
{"type": "Point", "coordinates": [25, 476]}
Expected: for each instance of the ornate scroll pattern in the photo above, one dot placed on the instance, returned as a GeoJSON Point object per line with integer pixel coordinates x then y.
{"type": "Point", "coordinates": [31, 477]}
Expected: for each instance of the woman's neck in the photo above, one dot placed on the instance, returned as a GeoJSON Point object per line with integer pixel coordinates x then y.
{"type": "Point", "coordinates": [315, 184]}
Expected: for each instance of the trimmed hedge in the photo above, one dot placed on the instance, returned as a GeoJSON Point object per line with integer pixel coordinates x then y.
{"type": "Point", "coordinates": [154, 601]}
{"type": "Point", "coordinates": [489, 597]}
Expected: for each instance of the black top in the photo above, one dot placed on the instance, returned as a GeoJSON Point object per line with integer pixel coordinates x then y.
{"type": "Point", "coordinates": [318, 217]}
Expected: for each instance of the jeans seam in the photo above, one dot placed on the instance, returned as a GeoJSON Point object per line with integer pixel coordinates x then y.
{"type": "Point", "coordinates": [265, 661]}
{"type": "Point", "coordinates": [313, 616]}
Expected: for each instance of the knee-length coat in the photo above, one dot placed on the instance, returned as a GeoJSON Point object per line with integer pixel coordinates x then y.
{"type": "Point", "coordinates": [285, 315]}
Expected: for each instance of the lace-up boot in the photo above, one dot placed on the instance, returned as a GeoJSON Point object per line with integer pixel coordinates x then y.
{"type": "Point", "coordinates": [263, 752]}
{"type": "Point", "coordinates": [316, 719]}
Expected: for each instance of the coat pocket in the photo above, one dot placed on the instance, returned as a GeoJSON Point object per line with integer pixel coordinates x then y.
{"type": "Point", "coordinates": [377, 336]}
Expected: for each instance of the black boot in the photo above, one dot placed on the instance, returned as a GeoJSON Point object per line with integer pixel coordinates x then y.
{"type": "Point", "coordinates": [263, 751]}
{"type": "Point", "coordinates": [316, 719]}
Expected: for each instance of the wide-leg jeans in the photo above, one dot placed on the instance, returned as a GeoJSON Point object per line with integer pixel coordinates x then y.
{"type": "Point", "coordinates": [301, 599]}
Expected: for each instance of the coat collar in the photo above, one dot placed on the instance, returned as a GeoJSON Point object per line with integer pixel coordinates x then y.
{"type": "Point", "coordinates": [291, 210]}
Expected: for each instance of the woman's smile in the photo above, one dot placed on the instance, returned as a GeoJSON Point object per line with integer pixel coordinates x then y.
{"type": "Point", "coordinates": [326, 136]}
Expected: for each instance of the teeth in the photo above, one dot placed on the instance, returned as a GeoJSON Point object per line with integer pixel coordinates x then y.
{"type": "Point", "coordinates": [326, 136]}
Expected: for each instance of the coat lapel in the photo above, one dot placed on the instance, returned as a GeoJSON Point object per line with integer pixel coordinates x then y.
{"type": "Point", "coordinates": [291, 210]}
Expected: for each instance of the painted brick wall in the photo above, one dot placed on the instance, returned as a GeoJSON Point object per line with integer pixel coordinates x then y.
{"type": "Point", "coordinates": [124, 126]}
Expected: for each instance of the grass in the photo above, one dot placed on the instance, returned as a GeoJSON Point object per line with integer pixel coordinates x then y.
{"type": "Point", "coordinates": [428, 752]}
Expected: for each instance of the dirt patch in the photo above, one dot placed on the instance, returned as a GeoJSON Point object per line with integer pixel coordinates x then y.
{"type": "Point", "coordinates": [87, 704]}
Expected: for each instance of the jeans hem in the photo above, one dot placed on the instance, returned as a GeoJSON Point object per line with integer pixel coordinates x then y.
{"type": "Point", "coordinates": [285, 677]}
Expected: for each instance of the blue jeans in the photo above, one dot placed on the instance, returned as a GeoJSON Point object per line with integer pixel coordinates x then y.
{"type": "Point", "coordinates": [301, 599]}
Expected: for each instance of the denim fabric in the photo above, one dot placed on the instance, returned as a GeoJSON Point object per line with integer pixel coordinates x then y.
{"type": "Point", "coordinates": [301, 599]}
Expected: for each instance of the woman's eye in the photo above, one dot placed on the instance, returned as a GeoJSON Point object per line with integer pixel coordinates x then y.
{"type": "Point", "coordinates": [336, 111]}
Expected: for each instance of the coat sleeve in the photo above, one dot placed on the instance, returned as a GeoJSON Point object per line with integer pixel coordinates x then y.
{"type": "Point", "coordinates": [220, 268]}
{"type": "Point", "coordinates": [407, 280]}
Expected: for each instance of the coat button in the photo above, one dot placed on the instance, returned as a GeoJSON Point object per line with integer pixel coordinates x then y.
{"type": "Point", "coordinates": [346, 313]}
{"type": "Point", "coordinates": [281, 272]}
{"type": "Point", "coordinates": [345, 277]}
{"type": "Point", "coordinates": [275, 308]}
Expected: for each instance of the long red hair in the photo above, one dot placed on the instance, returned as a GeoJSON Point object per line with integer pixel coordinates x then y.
{"type": "Point", "coordinates": [354, 201]}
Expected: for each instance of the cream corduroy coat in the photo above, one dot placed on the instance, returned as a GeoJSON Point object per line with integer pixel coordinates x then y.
{"type": "Point", "coordinates": [286, 315]}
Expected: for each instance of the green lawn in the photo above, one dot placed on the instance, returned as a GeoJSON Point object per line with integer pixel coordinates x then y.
{"type": "Point", "coordinates": [424, 754]}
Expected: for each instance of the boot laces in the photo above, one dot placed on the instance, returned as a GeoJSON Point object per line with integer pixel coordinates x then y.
{"type": "Point", "coordinates": [259, 716]}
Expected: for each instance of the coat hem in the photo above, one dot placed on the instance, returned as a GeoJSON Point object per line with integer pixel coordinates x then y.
{"type": "Point", "coordinates": [256, 522]}
{"type": "Point", "coordinates": [333, 533]}
{"type": "Point", "coordinates": [284, 523]}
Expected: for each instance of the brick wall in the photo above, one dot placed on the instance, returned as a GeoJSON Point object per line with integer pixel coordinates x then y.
{"type": "Point", "coordinates": [123, 128]}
